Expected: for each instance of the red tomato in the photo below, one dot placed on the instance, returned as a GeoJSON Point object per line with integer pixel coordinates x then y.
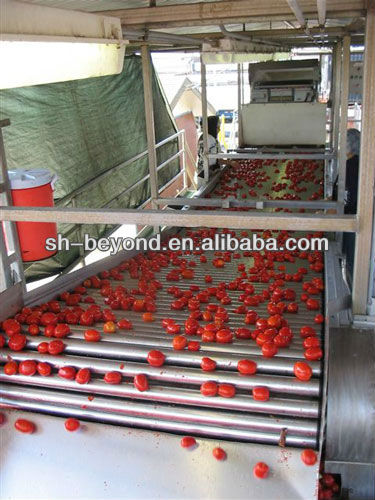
{"type": "Point", "coordinates": [49, 331]}
{"type": "Point", "coordinates": [269, 349]}
{"type": "Point", "coordinates": [44, 369]}
{"type": "Point", "coordinates": [72, 424]}
{"type": "Point", "coordinates": [109, 327]}
{"type": "Point", "coordinates": [11, 326]}
{"type": "Point", "coordinates": [193, 345]}
{"type": "Point", "coordinates": [312, 304]}
{"type": "Point", "coordinates": [313, 353]}
{"type": "Point", "coordinates": [83, 376]}
{"type": "Point", "coordinates": [155, 358]}
{"type": "Point", "coordinates": [219, 453]}
{"type": "Point", "coordinates": [307, 331]}
{"type": "Point", "coordinates": [27, 367]}
{"type": "Point", "coordinates": [55, 347]}
{"type": "Point", "coordinates": [179, 343]}
{"type": "Point", "coordinates": [208, 364]}
{"type": "Point", "coordinates": [141, 382]}
{"type": "Point", "coordinates": [11, 368]}
{"type": "Point", "coordinates": [92, 335]}
{"type": "Point", "coordinates": [67, 372]}
{"type": "Point", "coordinates": [188, 442]}
{"type": "Point", "coordinates": [25, 426]}
{"type": "Point", "coordinates": [125, 324]}
{"type": "Point", "coordinates": [226, 390]}
{"type": "Point", "coordinates": [261, 394]}
{"type": "Point", "coordinates": [61, 330]}
{"type": "Point", "coordinates": [17, 342]}
{"type": "Point", "coordinates": [148, 317]}
{"type": "Point", "coordinates": [275, 321]}
{"type": "Point", "coordinates": [33, 329]}
{"type": "Point", "coordinates": [261, 470]}
{"type": "Point", "coordinates": [113, 378]}
{"type": "Point", "coordinates": [224, 336]}
{"type": "Point", "coordinates": [319, 318]}
{"type": "Point", "coordinates": [243, 333]}
{"type": "Point", "coordinates": [173, 329]}
{"type": "Point", "coordinates": [311, 342]}
{"type": "Point", "coordinates": [209, 388]}
{"type": "Point", "coordinates": [302, 371]}
{"type": "Point", "coordinates": [246, 367]}
{"type": "Point", "coordinates": [309, 457]}
{"type": "Point", "coordinates": [48, 318]}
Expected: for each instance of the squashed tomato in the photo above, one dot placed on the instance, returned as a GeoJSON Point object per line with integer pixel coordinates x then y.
{"type": "Point", "coordinates": [141, 382]}
{"type": "Point", "coordinates": [193, 345]}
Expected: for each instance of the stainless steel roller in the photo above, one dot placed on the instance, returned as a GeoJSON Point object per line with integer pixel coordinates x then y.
{"type": "Point", "coordinates": [128, 351]}
{"type": "Point", "coordinates": [170, 374]}
{"type": "Point", "coordinates": [175, 395]}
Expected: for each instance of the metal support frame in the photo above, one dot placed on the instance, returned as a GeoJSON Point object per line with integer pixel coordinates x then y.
{"type": "Point", "coordinates": [335, 121]}
{"type": "Point", "coordinates": [272, 156]}
{"type": "Point", "coordinates": [11, 266]}
{"type": "Point", "coordinates": [204, 121]}
{"type": "Point", "coordinates": [366, 173]}
{"type": "Point", "coordinates": [343, 125]}
{"type": "Point", "coordinates": [150, 125]}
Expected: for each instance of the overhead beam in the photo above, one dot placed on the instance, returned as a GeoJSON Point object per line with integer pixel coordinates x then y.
{"type": "Point", "coordinates": [296, 9]}
{"type": "Point", "coordinates": [206, 13]}
{"type": "Point", "coordinates": [332, 31]}
{"type": "Point", "coordinates": [194, 218]}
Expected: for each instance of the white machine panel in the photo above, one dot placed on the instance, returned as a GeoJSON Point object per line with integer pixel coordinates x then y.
{"type": "Point", "coordinates": [284, 123]}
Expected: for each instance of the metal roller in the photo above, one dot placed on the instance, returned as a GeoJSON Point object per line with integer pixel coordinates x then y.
{"type": "Point", "coordinates": [180, 375]}
{"type": "Point", "coordinates": [128, 351]}
{"type": "Point", "coordinates": [175, 395]}
{"type": "Point", "coordinates": [302, 427]}
{"type": "Point", "coordinates": [149, 423]}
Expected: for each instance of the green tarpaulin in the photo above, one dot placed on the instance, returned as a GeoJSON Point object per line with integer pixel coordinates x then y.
{"type": "Point", "coordinates": [81, 129]}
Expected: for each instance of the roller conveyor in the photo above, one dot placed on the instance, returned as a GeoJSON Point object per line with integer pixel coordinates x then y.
{"type": "Point", "coordinates": [174, 403]}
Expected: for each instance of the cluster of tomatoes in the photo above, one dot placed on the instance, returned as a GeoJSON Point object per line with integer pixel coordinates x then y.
{"type": "Point", "coordinates": [329, 486]}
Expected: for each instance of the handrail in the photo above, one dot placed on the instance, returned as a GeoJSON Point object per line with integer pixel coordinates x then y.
{"type": "Point", "coordinates": [102, 175]}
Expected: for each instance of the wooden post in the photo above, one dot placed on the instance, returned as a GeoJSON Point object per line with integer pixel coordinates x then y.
{"type": "Point", "coordinates": [239, 103]}
{"type": "Point", "coordinates": [204, 121]}
{"type": "Point", "coordinates": [8, 262]}
{"type": "Point", "coordinates": [366, 172]}
{"type": "Point", "coordinates": [150, 126]}
{"type": "Point", "coordinates": [343, 126]}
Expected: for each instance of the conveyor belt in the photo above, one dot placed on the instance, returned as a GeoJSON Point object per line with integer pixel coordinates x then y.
{"type": "Point", "coordinates": [174, 403]}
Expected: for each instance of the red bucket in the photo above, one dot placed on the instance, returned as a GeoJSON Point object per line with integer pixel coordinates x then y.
{"type": "Point", "coordinates": [33, 188]}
